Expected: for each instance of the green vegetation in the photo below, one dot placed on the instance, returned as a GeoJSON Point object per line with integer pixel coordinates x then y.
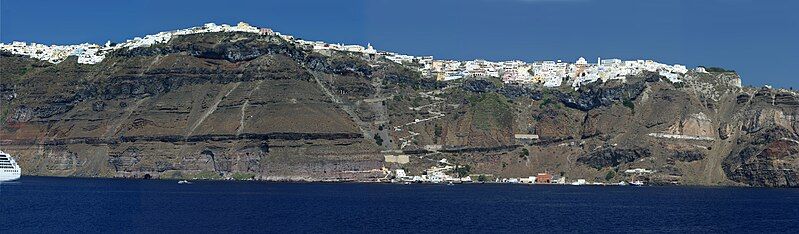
{"type": "Point", "coordinates": [419, 101]}
{"type": "Point", "coordinates": [463, 171]}
{"type": "Point", "coordinates": [610, 175]}
{"type": "Point", "coordinates": [718, 69]}
{"type": "Point", "coordinates": [491, 111]}
{"type": "Point", "coordinates": [548, 100]}
{"type": "Point", "coordinates": [378, 140]}
{"type": "Point", "coordinates": [437, 130]}
{"type": "Point", "coordinates": [23, 71]}
{"type": "Point", "coordinates": [496, 81]}
{"type": "Point", "coordinates": [544, 103]}
{"type": "Point", "coordinates": [629, 104]}
{"type": "Point", "coordinates": [243, 176]}
{"type": "Point", "coordinates": [4, 114]}
{"type": "Point", "coordinates": [482, 178]}
{"type": "Point", "coordinates": [15, 75]}
{"type": "Point", "coordinates": [525, 153]}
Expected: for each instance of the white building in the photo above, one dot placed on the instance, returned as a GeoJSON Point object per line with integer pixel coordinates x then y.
{"type": "Point", "coordinates": [638, 171]}
{"type": "Point", "coordinates": [400, 173]}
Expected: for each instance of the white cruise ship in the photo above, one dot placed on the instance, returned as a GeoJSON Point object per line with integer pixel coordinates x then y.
{"type": "Point", "coordinates": [9, 170]}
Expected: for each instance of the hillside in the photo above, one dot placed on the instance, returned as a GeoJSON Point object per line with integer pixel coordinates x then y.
{"type": "Point", "coordinates": [246, 105]}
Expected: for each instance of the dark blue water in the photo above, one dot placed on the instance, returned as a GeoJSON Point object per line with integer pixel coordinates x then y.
{"type": "Point", "coordinates": [42, 204]}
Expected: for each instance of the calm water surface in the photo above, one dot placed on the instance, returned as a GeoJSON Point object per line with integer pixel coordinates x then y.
{"type": "Point", "coordinates": [44, 204]}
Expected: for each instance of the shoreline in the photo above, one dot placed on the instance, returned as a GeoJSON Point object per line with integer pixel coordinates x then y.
{"type": "Point", "coordinates": [394, 183]}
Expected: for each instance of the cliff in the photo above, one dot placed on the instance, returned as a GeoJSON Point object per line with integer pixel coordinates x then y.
{"type": "Point", "coordinates": [244, 105]}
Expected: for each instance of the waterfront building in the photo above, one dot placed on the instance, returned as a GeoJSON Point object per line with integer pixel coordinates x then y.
{"type": "Point", "coordinates": [528, 180]}
{"type": "Point", "coordinates": [400, 174]}
{"type": "Point", "coordinates": [543, 178]}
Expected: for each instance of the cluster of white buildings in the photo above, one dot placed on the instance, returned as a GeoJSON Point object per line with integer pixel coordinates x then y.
{"type": "Point", "coordinates": [434, 174]}
{"type": "Point", "coordinates": [164, 37]}
{"type": "Point", "coordinates": [321, 46]}
{"type": "Point", "coordinates": [86, 53]}
{"type": "Point", "coordinates": [441, 174]}
{"type": "Point", "coordinates": [94, 53]}
{"type": "Point", "coordinates": [546, 73]}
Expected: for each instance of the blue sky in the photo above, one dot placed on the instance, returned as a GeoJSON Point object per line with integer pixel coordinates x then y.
{"type": "Point", "coordinates": [759, 39]}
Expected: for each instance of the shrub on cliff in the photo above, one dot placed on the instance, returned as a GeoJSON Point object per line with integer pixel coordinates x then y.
{"type": "Point", "coordinates": [610, 175]}
{"type": "Point", "coordinates": [717, 69]}
{"type": "Point", "coordinates": [491, 111]}
{"type": "Point", "coordinates": [629, 104]}
{"type": "Point", "coordinates": [463, 171]}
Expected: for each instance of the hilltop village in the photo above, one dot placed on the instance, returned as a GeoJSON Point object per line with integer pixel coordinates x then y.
{"type": "Point", "coordinates": [93, 53]}
{"type": "Point", "coordinates": [548, 73]}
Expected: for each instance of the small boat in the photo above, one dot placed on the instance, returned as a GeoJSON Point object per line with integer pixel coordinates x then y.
{"type": "Point", "coordinates": [184, 182]}
{"type": "Point", "coordinates": [450, 183]}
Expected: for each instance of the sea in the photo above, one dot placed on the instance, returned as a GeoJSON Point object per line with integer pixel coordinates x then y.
{"type": "Point", "coordinates": [70, 205]}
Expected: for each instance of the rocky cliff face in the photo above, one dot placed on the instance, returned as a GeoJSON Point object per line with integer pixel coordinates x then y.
{"type": "Point", "coordinates": [239, 105]}
{"type": "Point", "coordinates": [766, 151]}
{"type": "Point", "coordinates": [203, 105]}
